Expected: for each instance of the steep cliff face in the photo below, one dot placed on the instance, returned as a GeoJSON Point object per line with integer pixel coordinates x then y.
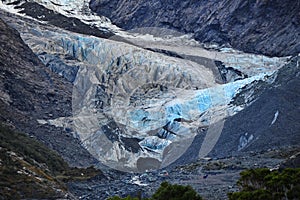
{"type": "Point", "coordinates": [270, 27]}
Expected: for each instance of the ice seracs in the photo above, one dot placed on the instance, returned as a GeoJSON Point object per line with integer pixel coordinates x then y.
{"type": "Point", "coordinates": [135, 109]}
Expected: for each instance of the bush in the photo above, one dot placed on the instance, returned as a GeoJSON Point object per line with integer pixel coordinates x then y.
{"type": "Point", "coordinates": [260, 184]}
{"type": "Point", "coordinates": [254, 195]}
{"type": "Point", "coordinates": [175, 192]}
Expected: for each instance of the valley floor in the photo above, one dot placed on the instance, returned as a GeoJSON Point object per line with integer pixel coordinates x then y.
{"type": "Point", "coordinates": [211, 179]}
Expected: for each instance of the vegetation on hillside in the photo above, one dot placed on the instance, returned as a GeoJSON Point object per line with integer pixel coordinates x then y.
{"type": "Point", "coordinates": [29, 170]}
{"type": "Point", "coordinates": [31, 150]}
{"type": "Point", "coordinates": [264, 184]}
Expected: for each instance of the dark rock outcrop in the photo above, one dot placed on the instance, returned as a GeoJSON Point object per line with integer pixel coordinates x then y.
{"type": "Point", "coordinates": [269, 27]}
{"type": "Point", "coordinates": [41, 13]}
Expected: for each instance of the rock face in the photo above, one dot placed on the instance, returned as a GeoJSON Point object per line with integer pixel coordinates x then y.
{"type": "Point", "coordinates": [71, 23]}
{"type": "Point", "coordinates": [269, 27]}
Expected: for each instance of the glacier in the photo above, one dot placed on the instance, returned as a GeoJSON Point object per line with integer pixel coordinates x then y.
{"type": "Point", "coordinates": [136, 109]}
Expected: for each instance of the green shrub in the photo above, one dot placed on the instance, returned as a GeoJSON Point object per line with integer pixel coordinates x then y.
{"type": "Point", "coordinates": [263, 184]}
{"type": "Point", "coordinates": [168, 191]}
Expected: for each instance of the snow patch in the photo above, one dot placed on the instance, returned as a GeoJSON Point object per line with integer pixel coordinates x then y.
{"type": "Point", "coordinates": [275, 117]}
{"type": "Point", "coordinates": [245, 141]}
{"type": "Point", "coordinates": [135, 180]}
{"type": "Point", "coordinates": [42, 121]}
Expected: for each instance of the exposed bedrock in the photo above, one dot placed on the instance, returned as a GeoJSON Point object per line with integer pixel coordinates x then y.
{"type": "Point", "coordinates": [269, 27]}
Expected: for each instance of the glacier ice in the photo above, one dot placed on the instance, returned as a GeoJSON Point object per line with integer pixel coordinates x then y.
{"type": "Point", "coordinates": [131, 105]}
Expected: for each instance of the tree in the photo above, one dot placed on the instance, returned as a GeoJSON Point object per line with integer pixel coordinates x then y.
{"type": "Point", "coordinates": [263, 184]}
{"type": "Point", "coordinates": [168, 191]}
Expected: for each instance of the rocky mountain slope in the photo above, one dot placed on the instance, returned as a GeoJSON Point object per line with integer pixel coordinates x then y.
{"type": "Point", "coordinates": [30, 170]}
{"type": "Point", "coordinates": [270, 27]}
{"type": "Point", "coordinates": [30, 91]}
{"type": "Point", "coordinates": [271, 121]}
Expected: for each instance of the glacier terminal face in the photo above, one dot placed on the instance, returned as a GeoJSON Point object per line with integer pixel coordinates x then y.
{"type": "Point", "coordinates": [135, 109]}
